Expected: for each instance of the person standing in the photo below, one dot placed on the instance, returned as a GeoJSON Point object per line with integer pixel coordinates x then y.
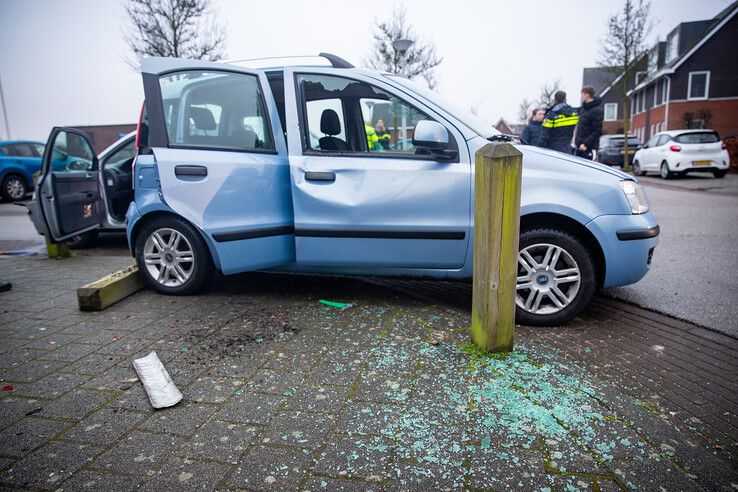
{"type": "Point", "coordinates": [557, 129]}
{"type": "Point", "coordinates": [384, 137]}
{"type": "Point", "coordinates": [532, 131]}
{"type": "Point", "coordinates": [589, 130]}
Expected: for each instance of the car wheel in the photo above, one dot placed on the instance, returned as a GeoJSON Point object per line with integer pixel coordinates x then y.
{"type": "Point", "coordinates": [720, 173]}
{"type": "Point", "coordinates": [173, 257]}
{"type": "Point", "coordinates": [556, 278]}
{"type": "Point", "coordinates": [637, 169]}
{"type": "Point", "coordinates": [664, 171]}
{"type": "Point", "coordinates": [14, 188]}
{"type": "Point", "coordinates": [81, 241]}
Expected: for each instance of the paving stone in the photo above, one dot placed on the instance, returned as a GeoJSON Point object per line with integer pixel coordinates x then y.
{"type": "Point", "coordinates": [46, 467]}
{"type": "Point", "coordinates": [18, 357]}
{"type": "Point", "coordinates": [653, 475]}
{"type": "Point", "coordinates": [70, 352]}
{"type": "Point", "coordinates": [256, 408]}
{"type": "Point", "coordinates": [134, 398]}
{"type": "Point", "coordinates": [53, 342]}
{"type": "Point", "coordinates": [13, 408]}
{"type": "Point", "coordinates": [28, 434]}
{"type": "Point", "coordinates": [93, 364]}
{"type": "Point", "coordinates": [105, 426]}
{"type": "Point", "coordinates": [186, 474]}
{"type": "Point", "coordinates": [53, 385]}
{"type": "Point", "coordinates": [281, 383]}
{"type": "Point", "coordinates": [212, 390]}
{"type": "Point", "coordinates": [96, 481]}
{"type": "Point", "coordinates": [316, 484]}
{"type": "Point", "coordinates": [221, 441]}
{"type": "Point", "coordinates": [326, 399]}
{"type": "Point", "coordinates": [410, 475]}
{"type": "Point", "coordinates": [141, 453]}
{"type": "Point", "coordinates": [268, 468]}
{"type": "Point", "coordinates": [612, 439]}
{"type": "Point", "coordinates": [361, 457]}
{"type": "Point", "coordinates": [573, 483]}
{"type": "Point", "coordinates": [384, 389]}
{"type": "Point", "coordinates": [305, 430]}
{"type": "Point", "coordinates": [243, 367]}
{"type": "Point", "coordinates": [33, 370]}
{"type": "Point", "coordinates": [76, 404]}
{"type": "Point", "coordinates": [334, 373]}
{"type": "Point", "coordinates": [369, 418]}
{"type": "Point", "coordinates": [182, 419]}
{"type": "Point", "coordinates": [504, 469]}
{"type": "Point", "coordinates": [121, 377]}
{"type": "Point", "coordinates": [565, 456]}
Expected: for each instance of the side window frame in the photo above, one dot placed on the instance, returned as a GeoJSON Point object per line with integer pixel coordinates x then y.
{"type": "Point", "coordinates": [165, 129]}
{"type": "Point", "coordinates": [364, 152]}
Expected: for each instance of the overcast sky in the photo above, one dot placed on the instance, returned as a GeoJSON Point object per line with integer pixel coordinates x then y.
{"type": "Point", "coordinates": [62, 62]}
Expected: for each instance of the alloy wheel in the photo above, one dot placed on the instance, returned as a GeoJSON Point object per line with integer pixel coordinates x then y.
{"type": "Point", "coordinates": [15, 188]}
{"type": "Point", "coordinates": [548, 279]}
{"type": "Point", "coordinates": [664, 170]}
{"type": "Point", "coordinates": [168, 257]}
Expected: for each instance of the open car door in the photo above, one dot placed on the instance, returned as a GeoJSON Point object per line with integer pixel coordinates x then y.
{"type": "Point", "coordinates": [68, 191]}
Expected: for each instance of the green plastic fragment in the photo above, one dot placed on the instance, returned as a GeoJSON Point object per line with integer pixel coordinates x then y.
{"type": "Point", "coordinates": [339, 305]}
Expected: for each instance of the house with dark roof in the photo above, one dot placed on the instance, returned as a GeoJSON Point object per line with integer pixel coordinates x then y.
{"type": "Point", "coordinates": [690, 80]}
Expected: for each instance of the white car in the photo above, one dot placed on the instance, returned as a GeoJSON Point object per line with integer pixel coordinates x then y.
{"type": "Point", "coordinates": [677, 152]}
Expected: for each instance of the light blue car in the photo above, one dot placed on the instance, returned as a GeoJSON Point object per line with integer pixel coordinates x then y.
{"type": "Point", "coordinates": [230, 176]}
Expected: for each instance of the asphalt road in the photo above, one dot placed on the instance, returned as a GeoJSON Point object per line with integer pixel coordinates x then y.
{"type": "Point", "coordinates": [695, 268]}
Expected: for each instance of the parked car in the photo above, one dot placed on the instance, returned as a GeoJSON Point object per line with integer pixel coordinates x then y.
{"type": "Point", "coordinates": [227, 178]}
{"type": "Point", "coordinates": [611, 151]}
{"type": "Point", "coordinates": [18, 161]}
{"type": "Point", "coordinates": [115, 187]}
{"type": "Point", "coordinates": [678, 152]}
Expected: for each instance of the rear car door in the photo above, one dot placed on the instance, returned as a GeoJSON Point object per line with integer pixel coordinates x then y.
{"type": "Point", "coordinates": [212, 131]}
{"type": "Point", "coordinates": [68, 191]}
{"type": "Point", "coordinates": [363, 196]}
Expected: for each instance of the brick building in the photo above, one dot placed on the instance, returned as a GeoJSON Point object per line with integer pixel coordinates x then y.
{"type": "Point", "coordinates": [102, 136]}
{"type": "Point", "coordinates": [690, 80]}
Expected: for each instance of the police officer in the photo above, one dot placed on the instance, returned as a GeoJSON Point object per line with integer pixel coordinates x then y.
{"type": "Point", "coordinates": [558, 125]}
{"type": "Point", "coordinates": [372, 139]}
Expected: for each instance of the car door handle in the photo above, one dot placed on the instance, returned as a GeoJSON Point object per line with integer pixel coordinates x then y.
{"type": "Point", "coordinates": [190, 171]}
{"type": "Point", "coordinates": [320, 176]}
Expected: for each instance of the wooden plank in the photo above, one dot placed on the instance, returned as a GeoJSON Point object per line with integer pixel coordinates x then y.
{"type": "Point", "coordinates": [498, 177]}
{"type": "Point", "coordinates": [110, 289]}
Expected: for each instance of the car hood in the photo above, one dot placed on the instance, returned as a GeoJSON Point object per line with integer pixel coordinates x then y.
{"type": "Point", "coordinates": [546, 156]}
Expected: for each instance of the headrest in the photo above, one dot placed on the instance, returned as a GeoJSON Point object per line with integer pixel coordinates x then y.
{"type": "Point", "coordinates": [203, 118]}
{"type": "Point", "coordinates": [329, 122]}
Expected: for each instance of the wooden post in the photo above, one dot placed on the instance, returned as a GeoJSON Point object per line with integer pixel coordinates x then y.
{"type": "Point", "coordinates": [57, 250]}
{"type": "Point", "coordinates": [498, 176]}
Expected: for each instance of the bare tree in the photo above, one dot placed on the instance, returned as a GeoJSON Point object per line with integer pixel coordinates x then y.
{"type": "Point", "coordinates": [418, 61]}
{"type": "Point", "coordinates": [178, 28]}
{"type": "Point", "coordinates": [543, 100]}
{"type": "Point", "coordinates": [623, 47]}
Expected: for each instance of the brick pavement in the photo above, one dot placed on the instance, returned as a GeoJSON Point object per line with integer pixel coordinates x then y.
{"type": "Point", "coordinates": [282, 392]}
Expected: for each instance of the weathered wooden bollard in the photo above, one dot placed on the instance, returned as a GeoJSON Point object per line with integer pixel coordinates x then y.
{"type": "Point", "coordinates": [498, 176]}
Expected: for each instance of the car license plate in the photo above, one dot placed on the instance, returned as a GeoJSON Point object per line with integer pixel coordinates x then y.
{"type": "Point", "coordinates": [702, 163]}
{"type": "Point", "coordinates": [630, 151]}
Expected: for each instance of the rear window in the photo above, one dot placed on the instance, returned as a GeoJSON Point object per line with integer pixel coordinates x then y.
{"type": "Point", "coordinates": [697, 138]}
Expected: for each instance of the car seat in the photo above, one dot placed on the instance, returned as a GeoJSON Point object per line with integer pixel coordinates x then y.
{"type": "Point", "coordinates": [330, 125]}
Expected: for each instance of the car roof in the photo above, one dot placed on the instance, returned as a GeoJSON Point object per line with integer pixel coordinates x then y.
{"type": "Point", "coordinates": [8, 142]}
{"type": "Point", "coordinates": [673, 133]}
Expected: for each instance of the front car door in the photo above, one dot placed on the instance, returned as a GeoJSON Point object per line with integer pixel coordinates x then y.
{"type": "Point", "coordinates": [212, 131]}
{"type": "Point", "coordinates": [68, 191]}
{"type": "Point", "coordinates": [364, 197]}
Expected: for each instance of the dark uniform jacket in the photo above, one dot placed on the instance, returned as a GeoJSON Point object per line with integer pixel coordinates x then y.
{"type": "Point", "coordinates": [558, 127]}
{"type": "Point", "coordinates": [589, 130]}
{"type": "Point", "coordinates": [531, 133]}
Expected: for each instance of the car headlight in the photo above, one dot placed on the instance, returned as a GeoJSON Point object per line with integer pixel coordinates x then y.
{"type": "Point", "coordinates": [635, 196]}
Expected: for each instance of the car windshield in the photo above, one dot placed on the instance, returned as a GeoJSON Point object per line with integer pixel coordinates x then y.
{"type": "Point", "coordinates": [476, 124]}
{"type": "Point", "coordinates": [697, 138]}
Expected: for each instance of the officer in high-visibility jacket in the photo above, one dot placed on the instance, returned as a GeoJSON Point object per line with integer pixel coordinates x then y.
{"type": "Point", "coordinates": [558, 125]}
{"type": "Point", "coordinates": [372, 139]}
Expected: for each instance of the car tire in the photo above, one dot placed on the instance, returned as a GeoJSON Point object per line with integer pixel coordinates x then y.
{"type": "Point", "coordinates": [664, 171]}
{"type": "Point", "coordinates": [14, 188]}
{"type": "Point", "coordinates": [637, 169]}
{"type": "Point", "coordinates": [564, 253]}
{"type": "Point", "coordinates": [720, 173]}
{"type": "Point", "coordinates": [81, 241]}
{"type": "Point", "coordinates": [172, 257]}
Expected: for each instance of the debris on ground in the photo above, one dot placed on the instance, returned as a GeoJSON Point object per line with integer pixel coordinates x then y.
{"type": "Point", "coordinates": [438, 336]}
{"type": "Point", "coordinates": [339, 305]}
{"type": "Point", "coordinates": [7, 388]}
{"type": "Point", "coordinates": [158, 385]}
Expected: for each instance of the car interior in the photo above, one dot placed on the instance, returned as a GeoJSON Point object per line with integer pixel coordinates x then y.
{"type": "Point", "coordinates": [118, 179]}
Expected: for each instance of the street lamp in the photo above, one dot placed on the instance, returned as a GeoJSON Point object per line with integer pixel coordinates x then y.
{"type": "Point", "coordinates": [402, 45]}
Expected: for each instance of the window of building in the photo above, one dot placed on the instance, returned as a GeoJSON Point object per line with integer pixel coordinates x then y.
{"type": "Point", "coordinates": [611, 111]}
{"type": "Point", "coordinates": [672, 46]}
{"type": "Point", "coordinates": [632, 105]}
{"type": "Point", "coordinates": [699, 85]}
{"type": "Point", "coordinates": [640, 77]}
{"type": "Point", "coordinates": [653, 60]}
{"type": "Point", "coordinates": [665, 90]}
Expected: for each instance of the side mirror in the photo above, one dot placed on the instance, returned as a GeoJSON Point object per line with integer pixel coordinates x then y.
{"type": "Point", "coordinates": [432, 137]}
